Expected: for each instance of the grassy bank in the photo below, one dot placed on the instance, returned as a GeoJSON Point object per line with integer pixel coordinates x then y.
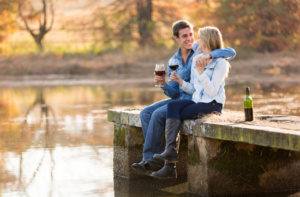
{"type": "Point", "coordinates": [139, 64]}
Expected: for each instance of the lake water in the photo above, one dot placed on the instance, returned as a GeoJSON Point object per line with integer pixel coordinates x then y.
{"type": "Point", "coordinates": [56, 140]}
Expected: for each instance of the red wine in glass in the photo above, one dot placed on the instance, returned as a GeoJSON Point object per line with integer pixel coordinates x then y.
{"type": "Point", "coordinates": [173, 64]}
{"type": "Point", "coordinates": [173, 67]}
{"type": "Point", "coordinates": [160, 72]}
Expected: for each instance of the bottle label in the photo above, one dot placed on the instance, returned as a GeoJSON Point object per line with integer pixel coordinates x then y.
{"type": "Point", "coordinates": [248, 104]}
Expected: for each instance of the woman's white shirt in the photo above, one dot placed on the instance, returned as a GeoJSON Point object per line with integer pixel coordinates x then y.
{"type": "Point", "coordinates": [210, 84]}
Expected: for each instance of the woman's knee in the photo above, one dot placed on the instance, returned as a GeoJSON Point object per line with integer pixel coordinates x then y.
{"type": "Point", "coordinates": [172, 105]}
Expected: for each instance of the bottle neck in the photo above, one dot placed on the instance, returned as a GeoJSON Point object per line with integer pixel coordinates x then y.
{"type": "Point", "coordinates": [248, 97]}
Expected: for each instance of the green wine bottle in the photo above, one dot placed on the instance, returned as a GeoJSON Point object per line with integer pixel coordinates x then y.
{"type": "Point", "coordinates": [248, 106]}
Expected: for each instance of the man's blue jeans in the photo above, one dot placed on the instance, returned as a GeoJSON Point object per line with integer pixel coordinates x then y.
{"type": "Point", "coordinates": [153, 119]}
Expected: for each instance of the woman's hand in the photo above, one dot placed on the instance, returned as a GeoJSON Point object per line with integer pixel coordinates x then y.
{"type": "Point", "coordinates": [174, 77]}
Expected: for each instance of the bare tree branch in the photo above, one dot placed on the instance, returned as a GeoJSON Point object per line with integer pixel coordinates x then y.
{"type": "Point", "coordinates": [45, 12]}
{"type": "Point", "coordinates": [52, 19]}
{"type": "Point", "coordinates": [43, 30]}
{"type": "Point", "coordinates": [25, 21]}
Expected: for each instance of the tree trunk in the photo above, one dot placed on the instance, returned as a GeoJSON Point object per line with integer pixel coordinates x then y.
{"type": "Point", "coordinates": [43, 29]}
{"type": "Point", "coordinates": [39, 37]}
{"type": "Point", "coordinates": [39, 44]}
{"type": "Point", "coordinates": [144, 8]}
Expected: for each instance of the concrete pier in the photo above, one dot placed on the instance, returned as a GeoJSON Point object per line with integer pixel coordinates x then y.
{"type": "Point", "coordinates": [128, 147]}
{"type": "Point", "coordinates": [221, 155]}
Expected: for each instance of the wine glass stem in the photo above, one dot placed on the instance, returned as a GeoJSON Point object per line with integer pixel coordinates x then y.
{"type": "Point", "coordinates": [169, 80]}
{"type": "Point", "coordinates": [160, 84]}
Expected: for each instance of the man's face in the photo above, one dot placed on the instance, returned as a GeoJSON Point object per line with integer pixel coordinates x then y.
{"type": "Point", "coordinates": [185, 39]}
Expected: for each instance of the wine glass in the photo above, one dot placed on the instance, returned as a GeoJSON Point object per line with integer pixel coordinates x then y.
{"type": "Point", "coordinates": [159, 70]}
{"type": "Point", "coordinates": [173, 64]}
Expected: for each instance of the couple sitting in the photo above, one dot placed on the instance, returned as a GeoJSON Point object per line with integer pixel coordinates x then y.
{"type": "Point", "coordinates": [195, 89]}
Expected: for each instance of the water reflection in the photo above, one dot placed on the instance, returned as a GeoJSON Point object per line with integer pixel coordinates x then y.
{"type": "Point", "coordinates": [279, 99]}
{"type": "Point", "coordinates": [56, 141]}
{"type": "Point", "coordinates": [148, 186]}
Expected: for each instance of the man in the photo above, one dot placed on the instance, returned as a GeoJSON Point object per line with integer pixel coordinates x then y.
{"type": "Point", "coordinates": [153, 117]}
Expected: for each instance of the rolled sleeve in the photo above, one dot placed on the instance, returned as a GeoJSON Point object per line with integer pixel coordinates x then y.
{"type": "Point", "coordinates": [166, 88]}
{"type": "Point", "coordinates": [214, 54]}
{"type": "Point", "coordinates": [184, 86]}
{"type": "Point", "coordinates": [171, 91]}
{"type": "Point", "coordinates": [227, 53]}
{"type": "Point", "coordinates": [188, 87]}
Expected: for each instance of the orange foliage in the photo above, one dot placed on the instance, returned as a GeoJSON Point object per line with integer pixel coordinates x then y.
{"type": "Point", "coordinates": [8, 15]}
{"type": "Point", "coordinates": [263, 25]}
{"type": "Point", "coordinates": [136, 21]}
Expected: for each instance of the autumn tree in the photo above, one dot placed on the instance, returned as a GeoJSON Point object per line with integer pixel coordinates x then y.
{"type": "Point", "coordinates": [30, 12]}
{"type": "Point", "coordinates": [264, 25]}
{"type": "Point", "coordinates": [140, 22]}
{"type": "Point", "coordinates": [8, 14]}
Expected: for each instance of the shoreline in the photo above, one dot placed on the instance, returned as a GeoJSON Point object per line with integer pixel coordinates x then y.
{"type": "Point", "coordinates": [50, 70]}
{"type": "Point", "coordinates": [65, 80]}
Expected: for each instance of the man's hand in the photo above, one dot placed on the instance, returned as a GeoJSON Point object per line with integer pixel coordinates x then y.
{"type": "Point", "coordinates": [204, 58]}
{"type": "Point", "coordinates": [174, 77]}
{"type": "Point", "coordinates": [202, 61]}
{"type": "Point", "coordinates": [160, 79]}
{"type": "Point", "coordinates": [200, 64]}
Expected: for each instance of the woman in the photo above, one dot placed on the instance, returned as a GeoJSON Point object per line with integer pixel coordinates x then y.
{"type": "Point", "coordinates": [207, 86]}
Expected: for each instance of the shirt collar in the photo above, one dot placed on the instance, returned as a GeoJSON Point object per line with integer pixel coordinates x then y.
{"type": "Point", "coordinates": [195, 46]}
{"type": "Point", "coordinates": [177, 55]}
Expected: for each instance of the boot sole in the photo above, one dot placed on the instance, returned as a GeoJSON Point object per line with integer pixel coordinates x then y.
{"type": "Point", "coordinates": [169, 177]}
{"type": "Point", "coordinates": [171, 160]}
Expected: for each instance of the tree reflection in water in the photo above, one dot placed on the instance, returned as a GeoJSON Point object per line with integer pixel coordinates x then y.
{"type": "Point", "coordinates": [49, 143]}
{"type": "Point", "coordinates": [57, 141]}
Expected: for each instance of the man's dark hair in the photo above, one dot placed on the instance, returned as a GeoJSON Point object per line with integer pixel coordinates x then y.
{"type": "Point", "coordinates": [182, 24]}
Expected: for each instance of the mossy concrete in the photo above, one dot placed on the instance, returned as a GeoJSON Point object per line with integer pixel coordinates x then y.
{"type": "Point", "coordinates": [128, 149]}
{"type": "Point", "coordinates": [257, 135]}
{"type": "Point", "coordinates": [182, 165]}
{"type": "Point", "coordinates": [227, 168]}
{"type": "Point", "coordinates": [126, 117]}
{"type": "Point", "coordinates": [220, 158]}
{"type": "Point", "coordinates": [237, 132]}
{"type": "Point", "coordinates": [128, 146]}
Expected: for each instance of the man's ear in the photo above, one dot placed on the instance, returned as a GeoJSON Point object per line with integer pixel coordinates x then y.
{"type": "Point", "coordinates": [176, 38]}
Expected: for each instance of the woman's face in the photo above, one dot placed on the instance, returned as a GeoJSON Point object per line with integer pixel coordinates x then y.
{"type": "Point", "coordinates": [201, 46]}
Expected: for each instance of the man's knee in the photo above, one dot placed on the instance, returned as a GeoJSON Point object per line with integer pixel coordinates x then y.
{"type": "Point", "coordinates": [159, 115]}
{"type": "Point", "coordinates": [145, 114]}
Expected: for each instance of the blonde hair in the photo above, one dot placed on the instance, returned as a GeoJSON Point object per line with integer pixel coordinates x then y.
{"type": "Point", "coordinates": [212, 38]}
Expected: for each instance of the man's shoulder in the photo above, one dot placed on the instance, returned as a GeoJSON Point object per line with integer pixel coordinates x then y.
{"type": "Point", "coordinates": [174, 56]}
